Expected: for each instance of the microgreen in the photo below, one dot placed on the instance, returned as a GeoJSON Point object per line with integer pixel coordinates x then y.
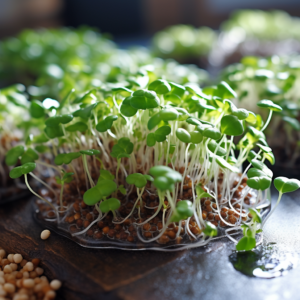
{"type": "Point", "coordinates": [66, 158]}
{"type": "Point", "coordinates": [13, 155]}
{"type": "Point", "coordinates": [138, 179]}
{"type": "Point", "coordinates": [111, 204]}
{"type": "Point", "coordinates": [184, 210]}
{"type": "Point", "coordinates": [106, 124]}
{"type": "Point", "coordinates": [143, 99]}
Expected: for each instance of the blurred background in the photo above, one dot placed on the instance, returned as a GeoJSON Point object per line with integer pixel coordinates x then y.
{"type": "Point", "coordinates": [126, 19]}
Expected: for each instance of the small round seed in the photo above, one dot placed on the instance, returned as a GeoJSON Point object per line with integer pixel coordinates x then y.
{"type": "Point", "coordinates": [45, 234]}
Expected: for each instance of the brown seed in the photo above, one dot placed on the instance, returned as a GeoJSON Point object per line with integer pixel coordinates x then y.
{"type": "Point", "coordinates": [111, 233]}
{"type": "Point", "coordinates": [98, 235]}
{"type": "Point", "coordinates": [211, 216]}
{"type": "Point", "coordinates": [77, 216]}
{"type": "Point", "coordinates": [76, 206]}
{"type": "Point", "coordinates": [86, 223]}
{"type": "Point", "coordinates": [130, 239]}
{"type": "Point", "coordinates": [147, 234]}
{"type": "Point", "coordinates": [163, 239]}
{"type": "Point", "coordinates": [83, 205]}
{"type": "Point", "coordinates": [90, 232]}
{"type": "Point", "coordinates": [217, 218]}
{"type": "Point", "coordinates": [159, 225]}
{"type": "Point", "coordinates": [207, 202]}
{"type": "Point", "coordinates": [232, 219]}
{"type": "Point", "coordinates": [89, 217]}
{"type": "Point", "coordinates": [208, 208]}
{"type": "Point", "coordinates": [146, 226]}
{"type": "Point", "coordinates": [123, 236]}
{"type": "Point", "coordinates": [71, 220]}
{"type": "Point", "coordinates": [36, 261]}
{"type": "Point", "coordinates": [230, 212]}
{"type": "Point", "coordinates": [105, 230]}
{"type": "Point", "coordinates": [204, 215]}
{"type": "Point", "coordinates": [100, 224]}
{"type": "Point", "coordinates": [171, 234]}
{"type": "Point", "coordinates": [131, 228]}
{"type": "Point", "coordinates": [79, 223]}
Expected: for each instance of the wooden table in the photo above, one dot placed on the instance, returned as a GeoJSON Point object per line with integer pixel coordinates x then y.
{"type": "Point", "coordinates": [203, 273]}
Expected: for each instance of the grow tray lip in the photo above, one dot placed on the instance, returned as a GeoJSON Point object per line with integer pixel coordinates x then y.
{"type": "Point", "coordinates": [132, 246]}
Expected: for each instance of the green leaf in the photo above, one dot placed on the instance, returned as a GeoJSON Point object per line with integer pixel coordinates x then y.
{"type": "Point", "coordinates": [90, 152]}
{"type": "Point", "coordinates": [36, 109]}
{"type": "Point", "coordinates": [225, 91]}
{"type": "Point", "coordinates": [231, 125]}
{"type": "Point", "coordinates": [270, 157]}
{"type": "Point", "coordinates": [161, 133]}
{"type": "Point", "coordinates": [286, 185]}
{"type": "Point", "coordinates": [246, 243]}
{"type": "Point", "coordinates": [123, 147]}
{"type": "Point", "coordinates": [165, 177]}
{"type": "Point", "coordinates": [183, 135]}
{"type": "Point", "coordinates": [259, 183]}
{"type": "Point", "coordinates": [106, 124]}
{"type": "Point", "coordinates": [92, 196]}
{"type": "Point", "coordinates": [196, 137]}
{"type": "Point", "coordinates": [261, 166]}
{"type": "Point", "coordinates": [154, 121]}
{"type": "Point", "coordinates": [85, 113]}
{"type": "Point", "coordinates": [122, 90]}
{"type": "Point", "coordinates": [106, 187]}
{"type": "Point", "coordinates": [212, 146]}
{"type": "Point", "coordinates": [29, 156]}
{"type": "Point", "coordinates": [253, 172]}
{"type": "Point", "coordinates": [54, 131]}
{"type": "Point", "coordinates": [168, 114]}
{"type": "Point", "coordinates": [144, 99]}
{"type": "Point", "coordinates": [224, 164]}
{"type": "Point", "coordinates": [255, 215]}
{"type": "Point", "coordinates": [66, 158]}
{"type": "Point", "coordinates": [13, 155]}
{"type": "Point", "coordinates": [21, 170]}
{"type": "Point", "coordinates": [212, 132]}
{"type": "Point", "coordinates": [105, 175]}
{"type": "Point", "coordinates": [160, 86]}
{"type": "Point", "coordinates": [79, 126]}
{"type": "Point", "coordinates": [151, 140]}
{"type": "Point", "coordinates": [111, 204]}
{"type": "Point", "coordinates": [269, 105]}
{"type": "Point", "coordinates": [126, 109]}
{"type": "Point", "coordinates": [56, 120]}
{"type": "Point", "coordinates": [137, 179]}
{"type": "Point", "coordinates": [184, 210]}
{"type": "Point", "coordinates": [122, 189]}
{"type": "Point", "coordinates": [210, 229]}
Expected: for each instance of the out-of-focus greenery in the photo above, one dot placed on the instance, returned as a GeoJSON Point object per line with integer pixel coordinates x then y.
{"type": "Point", "coordinates": [264, 25]}
{"type": "Point", "coordinates": [51, 62]}
{"type": "Point", "coordinates": [183, 41]}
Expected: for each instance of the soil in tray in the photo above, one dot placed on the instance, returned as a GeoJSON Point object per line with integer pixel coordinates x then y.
{"type": "Point", "coordinates": [76, 216]}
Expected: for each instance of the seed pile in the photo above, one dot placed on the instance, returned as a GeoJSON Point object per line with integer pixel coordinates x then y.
{"type": "Point", "coordinates": [22, 279]}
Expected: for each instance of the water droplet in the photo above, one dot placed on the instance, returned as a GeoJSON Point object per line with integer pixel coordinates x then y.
{"type": "Point", "coordinates": [266, 261]}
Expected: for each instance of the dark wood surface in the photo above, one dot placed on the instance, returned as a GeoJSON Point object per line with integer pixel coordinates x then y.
{"type": "Point", "coordinates": [203, 273]}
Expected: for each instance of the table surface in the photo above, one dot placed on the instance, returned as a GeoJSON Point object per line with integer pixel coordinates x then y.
{"type": "Point", "coordinates": [203, 273]}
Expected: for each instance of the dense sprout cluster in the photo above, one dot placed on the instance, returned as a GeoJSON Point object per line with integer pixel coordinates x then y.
{"type": "Point", "coordinates": [275, 78]}
{"type": "Point", "coordinates": [129, 148]}
{"type": "Point", "coordinates": [129, 140]}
